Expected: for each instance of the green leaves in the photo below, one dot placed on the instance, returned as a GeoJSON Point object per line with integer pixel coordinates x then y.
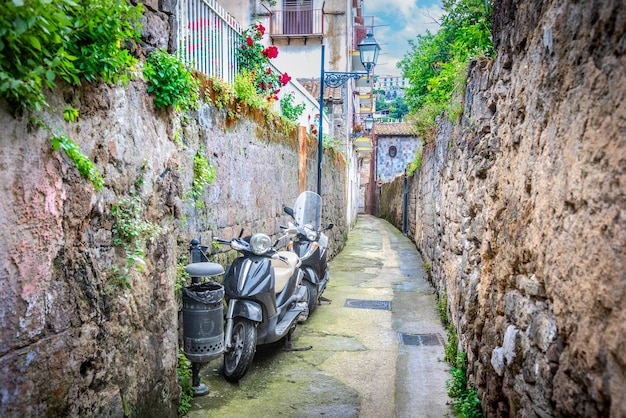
{"type": "Point", "coordinates": [289, 110]}
{"type": "Point", "coordinates": [41, 40]}
{"type": "Point", "coordinates": [203, 174]}
{"type": "Point", "coordinates": [171, 81]}
{"type": "Point", "coordinates": [437, 63]}
{"type": "Point", "coordinates": [131, 231]}
{"type": "Point", "coordinates": [84, 165]}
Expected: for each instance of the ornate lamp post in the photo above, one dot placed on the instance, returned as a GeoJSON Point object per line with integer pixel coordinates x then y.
{"type": "Point", "coordinates": [368, 53]}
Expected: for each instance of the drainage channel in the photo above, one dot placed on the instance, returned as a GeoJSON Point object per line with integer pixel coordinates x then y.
{"type": "Point", "coordinates": [383, 305]}
{"type": "Point", "coordinates": [420, 339]}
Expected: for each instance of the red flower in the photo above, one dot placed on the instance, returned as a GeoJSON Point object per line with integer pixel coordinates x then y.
{"type": "Point", "coordinates": [270, 52]}
{"type": "Point", "coordinates": [249, 41]}
{"type": "Point", "coordinates": [284, 79]}
{"type": "Point", "coordinates": [314, 131]}
{"type": "Point", "coordinates": [260, 28]}
{"type": "Point", "coordinates": [269, 70]}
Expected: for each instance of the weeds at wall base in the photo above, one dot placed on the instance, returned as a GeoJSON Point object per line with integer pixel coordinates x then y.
{"type": "Point", "coordinates": [463, 397]}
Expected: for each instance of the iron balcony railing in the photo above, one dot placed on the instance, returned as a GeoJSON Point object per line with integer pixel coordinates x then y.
{"type": "Point", "coordinates": [208, 38]}
{"type": "Point", "coordinates": [297, 22]}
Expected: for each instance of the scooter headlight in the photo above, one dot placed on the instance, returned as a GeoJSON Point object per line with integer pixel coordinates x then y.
{"type": "Point", "coordinates": [311, 233]}
{"type": "Point", "coordinates": [260, 244]}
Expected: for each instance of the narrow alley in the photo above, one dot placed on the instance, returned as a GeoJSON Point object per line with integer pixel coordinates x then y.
{"type": "Point", "coordinates": [376, 346]}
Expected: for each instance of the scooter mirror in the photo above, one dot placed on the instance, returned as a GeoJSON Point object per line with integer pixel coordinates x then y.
{"type": "Point", "coordinates": [288, 211]}
{"type": "Point", "coordinates": [329, 226]}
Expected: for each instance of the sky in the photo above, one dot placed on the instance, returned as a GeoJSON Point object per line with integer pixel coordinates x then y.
{"type": "Point", "coordinates": [397, 21]}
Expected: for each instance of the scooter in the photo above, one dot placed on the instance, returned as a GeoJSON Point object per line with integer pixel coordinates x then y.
{"type": "Point", "coordinates": [265, 297]}
{"type": "Point", "coordinates": [310, 244]}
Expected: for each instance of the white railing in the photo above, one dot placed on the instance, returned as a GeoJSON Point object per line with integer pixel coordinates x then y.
{"type": "Point", "coordinates": [208, 38]}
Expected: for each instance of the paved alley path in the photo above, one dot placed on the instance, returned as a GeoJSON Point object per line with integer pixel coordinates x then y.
{"type": "Point", "coordinates": [376, 347]}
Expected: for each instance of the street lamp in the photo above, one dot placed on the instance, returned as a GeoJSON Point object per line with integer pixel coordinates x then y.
{"type": "Point", "coordinates": [369, 123]}
{"type": "Point", "coordinates": [368, 53]}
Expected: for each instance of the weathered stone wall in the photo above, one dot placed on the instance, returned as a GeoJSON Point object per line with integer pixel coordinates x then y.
{"type": "Point", "coordinates": [71, 342]}
{"type": "Point", "coordinates": [520, 212]}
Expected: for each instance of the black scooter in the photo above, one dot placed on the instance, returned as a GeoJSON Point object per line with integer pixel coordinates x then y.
{"type": "Point", "coordinates": [310, 244]}
{"type": "Point", "coordinates": [265, 296]}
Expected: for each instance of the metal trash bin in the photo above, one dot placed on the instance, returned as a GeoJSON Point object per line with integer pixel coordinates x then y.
{"type": "Point", "coordinates": [203, 321]}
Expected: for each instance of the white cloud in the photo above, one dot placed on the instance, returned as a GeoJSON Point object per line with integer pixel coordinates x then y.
{"type": "Point", "coordinates": [397, 21]}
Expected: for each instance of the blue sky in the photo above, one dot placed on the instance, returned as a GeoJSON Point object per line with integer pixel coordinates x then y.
{"type": "Point", "coordinates": [397, 21]}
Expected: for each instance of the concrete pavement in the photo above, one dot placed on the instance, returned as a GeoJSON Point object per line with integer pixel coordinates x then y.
{"type": "Point", "coordinates": [376, 347]}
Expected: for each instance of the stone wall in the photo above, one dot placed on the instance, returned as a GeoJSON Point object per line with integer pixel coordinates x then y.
{"type": "Point", "coordinates": [520, 212]}
{"type": "Point", "coordinates": [72, 343]}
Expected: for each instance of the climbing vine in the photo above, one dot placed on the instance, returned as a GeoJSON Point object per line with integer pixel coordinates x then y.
{"type": "Point", "coordinates": [131, 231]}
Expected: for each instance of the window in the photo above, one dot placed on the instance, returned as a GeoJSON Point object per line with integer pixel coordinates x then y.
{"type": "Point", "coordinates": [297, 17]}
{"type": "Point", "coordinates": [393, 151]}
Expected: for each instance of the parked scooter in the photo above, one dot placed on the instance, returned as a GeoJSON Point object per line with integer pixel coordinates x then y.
{"type": "Point", "coordinates": [310, 244]}
{"type": "Point", "coordinates": [265, 296]}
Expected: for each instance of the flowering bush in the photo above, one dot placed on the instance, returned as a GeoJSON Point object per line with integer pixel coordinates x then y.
{"type": "Point", "coordinates": [254, 59]}
{"type": "Point", "coordinates": [313, 125]}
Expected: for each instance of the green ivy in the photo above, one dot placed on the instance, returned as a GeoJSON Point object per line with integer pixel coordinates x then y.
{"type": "Point", "coordinates": [182, 277]}
{"type": "Point", "coordinates": [416, 164]}
{"type": "Point", "coordinates": [43, 40]}
{"type": "Point", "coordinates": [289, 110]}
{"type": "Point", "coordinates": [130, 231]}
{"type": "Point", "coordinates": [185, 381]}
{"type": "Point", "coordinates": [84, 165]}
{"type": "Point", "coordinates": [203, 174]}
{"type": "Point", "coordinates": [70, 114]}
{"type": "Point", "coordinates": [171, 81]}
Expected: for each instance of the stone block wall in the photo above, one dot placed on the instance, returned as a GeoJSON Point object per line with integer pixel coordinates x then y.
{"type": "Point", "coordinates": [72, 342]}
{"type": "Point", "coordinates": [520, 212]}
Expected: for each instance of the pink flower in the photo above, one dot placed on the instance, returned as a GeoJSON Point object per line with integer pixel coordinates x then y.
{"type": "Point", "coordinates": [284, 79]}
{"type": "Point", "coordinates": [270, 52]}
{"type": "Point", "coordinates": [260, 28]}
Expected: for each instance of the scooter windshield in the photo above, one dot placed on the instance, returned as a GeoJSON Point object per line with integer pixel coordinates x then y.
{"type": "Point", "coordinates": [308, 209]}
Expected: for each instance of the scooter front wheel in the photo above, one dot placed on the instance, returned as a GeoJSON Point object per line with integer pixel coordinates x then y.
{"type": "Point", "coordinates": [239, 357]}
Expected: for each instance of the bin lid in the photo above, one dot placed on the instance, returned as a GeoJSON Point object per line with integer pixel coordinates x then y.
{"type": "Point", "coordinates": [205, 269]}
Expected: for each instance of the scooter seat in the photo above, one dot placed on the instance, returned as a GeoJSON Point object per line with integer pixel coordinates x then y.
{"type": "Point", "coordinates": [204, 269]}
{"type": "Point", "coordinates": [283, 270]}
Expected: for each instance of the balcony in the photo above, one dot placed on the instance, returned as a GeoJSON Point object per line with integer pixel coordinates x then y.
{"type": "Point", "coordinates": [297, 23]}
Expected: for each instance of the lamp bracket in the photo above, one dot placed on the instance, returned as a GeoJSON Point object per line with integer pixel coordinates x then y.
{"type": "Point", "coordinates": [336, 79]}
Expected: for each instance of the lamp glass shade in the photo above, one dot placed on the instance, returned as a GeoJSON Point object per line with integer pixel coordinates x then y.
{"type": "Point", "coordinates": [368, 51]}
{"type": "Point", "coordinates": [369, 123]}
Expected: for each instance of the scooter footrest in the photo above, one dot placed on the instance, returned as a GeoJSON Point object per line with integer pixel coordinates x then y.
{"type": "Point", "coordinates": [290, 317]}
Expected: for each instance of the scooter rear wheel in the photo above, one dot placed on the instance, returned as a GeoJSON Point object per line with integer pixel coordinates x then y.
{"type": "Point", "coordinates": [238, 359]}
{"type": "Point", "coordinates": [312, 292]}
